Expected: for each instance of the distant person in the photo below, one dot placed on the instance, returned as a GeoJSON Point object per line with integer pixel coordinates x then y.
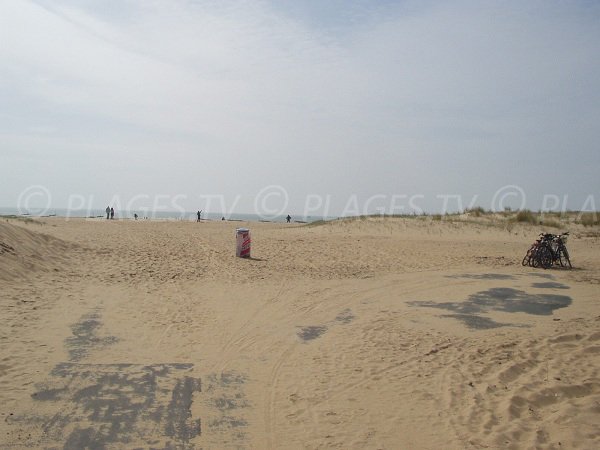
{"type": "Point", "coordinates": [199, 214]}
{"type": "Point", "coordinates": [112, 213]}
{"type": "Point", "coordinates": [107, 212]}
{"type": "Point", "coordinates": [223, 218]}
{"type": "Point", "coordinates": [288, 218]}
{"type": "Point", "coordinates": [135, 216]}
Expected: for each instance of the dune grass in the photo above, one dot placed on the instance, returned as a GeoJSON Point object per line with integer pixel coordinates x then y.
{"type": "Point", "coordinates": [504, 220]}
{"type": "Point", "coordinates": [588, 219]}
{"type": "Point", "coordinates": [476, 211]}
{"type": "Point", "coordinates": [526, 216]}
{"type": "Point", "coordinates": [19, 218]}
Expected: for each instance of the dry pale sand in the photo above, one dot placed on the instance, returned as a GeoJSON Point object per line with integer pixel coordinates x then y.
{"type": "Point", "coordinates": [377, 333]}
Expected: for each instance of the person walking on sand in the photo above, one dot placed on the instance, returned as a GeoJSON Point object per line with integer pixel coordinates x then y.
{"type": "Point", "coordinates": [288, 218]}
{"type": "Point", "coordinates": [112, 213]}
{"type": "Point", "coordinates": [199, 214]}
{"type": "Point", "coordinates": [107, 212]}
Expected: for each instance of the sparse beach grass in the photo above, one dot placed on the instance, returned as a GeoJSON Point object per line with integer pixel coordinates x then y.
{"type": "Point", "coordinates": [505, 220]}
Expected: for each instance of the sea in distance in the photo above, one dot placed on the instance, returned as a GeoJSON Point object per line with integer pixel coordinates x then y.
{"type": "Point", "coordinates": [155, 215]}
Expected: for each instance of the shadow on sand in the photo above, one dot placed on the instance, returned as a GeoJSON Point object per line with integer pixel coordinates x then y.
{"type": "Point", "coordinates": [499, 299]}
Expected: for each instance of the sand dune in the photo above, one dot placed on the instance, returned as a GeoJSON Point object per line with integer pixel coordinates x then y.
{"type": "Point", "coordinates": [374, 333]}
{"type": "Point", "coordinates": [26, 251]}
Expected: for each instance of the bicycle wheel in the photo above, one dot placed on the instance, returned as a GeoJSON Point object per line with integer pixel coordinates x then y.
{"type": "Point", "coordinates": [563, 256]}
{"type": "Point", "coordinates": [535, 258]}
{"type": "Point", "coordinates": [545, 257]}
{"type": "Point", "coordinates": [527, 258]}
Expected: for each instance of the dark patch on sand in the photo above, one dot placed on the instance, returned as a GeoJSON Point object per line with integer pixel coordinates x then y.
{"type": "Point", "coordinates": [228, 422]}
{"type": "Point", "coordinates": [550, 285]}
{"type": "Point", "coordinates": [224, 403]}
{"type": "Point", "coordinates": [102, 406]}
{"type": "Point", "coordinates": [230, 401]}
{"type": "Point", "coordinates": [505, 300]}
{"type": "Point", "coordinates": [345, 316]}
{"type": "Point", "coordinates": [49, 394]}
{"type": "Point", "coordinates": [5, 248]}
{"type": "Point", "coordinates": [547, 276]}
{"type": "Point", "coordinates": [226, 398]}
{"type": "Point", "coordinates": [312, 332]}
{"type": "Point", "coordinates": [483, 276]}
{"type": "Point", "coordinates": [478, 322]}
{"type": "Point", "coordinates": [226, 391]}
{"type": "Point", "coordinates": [85, 337]}
{"type": "Point", "coordinates": [179, 418]}
{"type": "Point", "coordinates": [228, 378]}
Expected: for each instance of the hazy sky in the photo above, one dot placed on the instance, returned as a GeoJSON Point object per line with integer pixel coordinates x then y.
{"type": "Point", "coordinates": [179, 102]}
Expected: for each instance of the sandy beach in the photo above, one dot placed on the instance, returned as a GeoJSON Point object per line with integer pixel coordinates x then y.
{"type": "Point", "coordinates": [374, 333]}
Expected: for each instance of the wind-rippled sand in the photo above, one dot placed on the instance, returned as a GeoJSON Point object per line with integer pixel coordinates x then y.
{"type": "Point", "coordinates": [376, 333]}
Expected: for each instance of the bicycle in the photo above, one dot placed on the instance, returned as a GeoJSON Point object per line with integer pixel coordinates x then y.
{"type": "Point", "coordinates": [558, 250]}
{"type": "Point", "coordinates": [548, 250]}
{"type": "Point", "coordinates": [531, 252]}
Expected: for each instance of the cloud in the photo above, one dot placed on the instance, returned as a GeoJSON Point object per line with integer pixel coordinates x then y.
{"type": "Point", "coordinates": [394, 98]}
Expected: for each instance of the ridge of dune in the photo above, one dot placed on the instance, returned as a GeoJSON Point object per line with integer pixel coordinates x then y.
{"type": "Point", "coordinates": [25, 252]}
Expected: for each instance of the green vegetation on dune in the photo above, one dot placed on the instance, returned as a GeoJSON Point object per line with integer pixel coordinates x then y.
{"type": "Point", "coordinates": [504, 220]}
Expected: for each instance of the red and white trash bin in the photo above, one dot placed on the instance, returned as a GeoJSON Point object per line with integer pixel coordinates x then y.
{"type": "Point", "coordinates": [242, 241]}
